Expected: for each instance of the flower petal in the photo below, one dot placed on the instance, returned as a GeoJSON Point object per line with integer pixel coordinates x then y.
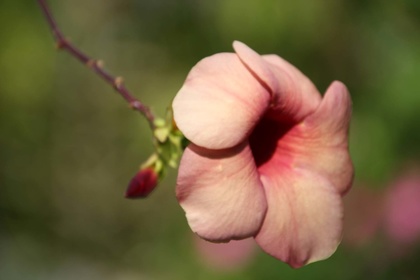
{"type": "Point", "coordinates": [333, 115]}
{"type": "Point", "coordinates": [296, 96]}
{"type": "Point", "coordinates": [257, 66]}
{"type": "Point", "coordinates": [303, 223]}
{"type": "Point", "coordinates": [219, 103]}
{"type": "Point", "coordinates": [221, 192]}
{"type": "Point", "coordinates": [327, 138]}
{"type": "Point", "coordinates": [319, 143]}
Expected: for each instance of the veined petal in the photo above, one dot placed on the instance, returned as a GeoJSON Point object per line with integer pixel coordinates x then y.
{"type": "Point", "coordinates": [303, 223]}
{"type": "Point", "coordinates": [326, 132]}
{"type": "Point", "coordinates": [257, 66]}
{"type": "Point", "coordinates": [220, 102]}
{"type": "Point", "coordinates": [332, 117]}
{"type": "Point", "coordinates": [221, 192]}
{"type": "Point", "coordinates": [318, 144]}
{"type": "Point", "coordinates": [295, 96]}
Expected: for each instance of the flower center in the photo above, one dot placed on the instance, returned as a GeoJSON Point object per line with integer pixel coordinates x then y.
{"type": "Point", "coordinates": [265, 138]}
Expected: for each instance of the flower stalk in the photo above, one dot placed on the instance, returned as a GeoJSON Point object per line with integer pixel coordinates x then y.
{"type": "Point", "coordinates": [96, 65]}
{"type": "Point", "coordinates": [168, 140]}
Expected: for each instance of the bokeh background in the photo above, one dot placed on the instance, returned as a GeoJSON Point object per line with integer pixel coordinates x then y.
{"type": "Point", "coordinates": [69, 145]}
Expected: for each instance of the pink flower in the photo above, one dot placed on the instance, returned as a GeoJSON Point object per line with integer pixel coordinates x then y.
{"type": "Point", "coordinates": [268, 156]}
{"type": "Point", "coordinates": [225, 256]}
{"type": "Point", "coordinates": [364, 215]}
{"type": "Point", "coordinates": [402, 209]}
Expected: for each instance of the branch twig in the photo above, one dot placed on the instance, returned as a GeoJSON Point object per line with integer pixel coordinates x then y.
{"type": "Point", "coordinates": [116, 82]}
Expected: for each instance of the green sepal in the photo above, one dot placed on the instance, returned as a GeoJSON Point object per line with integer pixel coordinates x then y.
{"type": "Point", "coordinates": [169, 145]}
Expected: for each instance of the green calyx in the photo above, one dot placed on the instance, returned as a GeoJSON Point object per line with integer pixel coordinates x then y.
{"type": "Point", "coordinates": [169, 145]}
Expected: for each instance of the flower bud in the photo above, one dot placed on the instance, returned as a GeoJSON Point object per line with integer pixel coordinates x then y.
{"type": "Point", "coordinates": [143, 183]}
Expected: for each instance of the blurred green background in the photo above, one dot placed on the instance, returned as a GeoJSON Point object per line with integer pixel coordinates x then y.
{"type": "Point", "coordinates": [69, 145]}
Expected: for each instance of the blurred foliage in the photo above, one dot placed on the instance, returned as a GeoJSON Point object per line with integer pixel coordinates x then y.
{"type": "Point", "coordinates": [69, 145]}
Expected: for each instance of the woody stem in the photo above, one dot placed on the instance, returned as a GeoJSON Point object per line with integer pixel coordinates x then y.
{"type": "Point", "coordinates": [116, 82]}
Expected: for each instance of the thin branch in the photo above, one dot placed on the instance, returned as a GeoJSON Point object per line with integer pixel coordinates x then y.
{"type": "Point", "coordinates": [96, 65]}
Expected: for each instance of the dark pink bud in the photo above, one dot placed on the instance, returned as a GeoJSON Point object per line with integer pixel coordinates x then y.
{"type": "Point", "coordinates": [143, 183]}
